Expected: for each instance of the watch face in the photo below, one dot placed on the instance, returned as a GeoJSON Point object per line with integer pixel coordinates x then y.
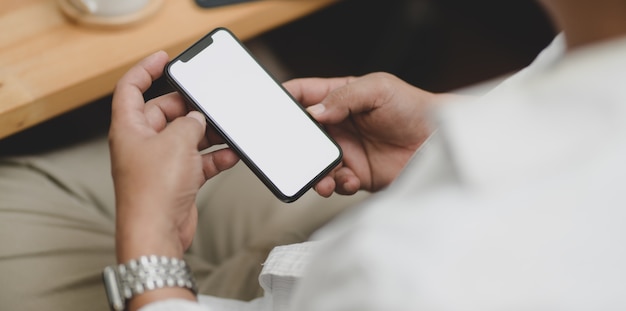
{"type": "Point", "coordinates": [113, 289]}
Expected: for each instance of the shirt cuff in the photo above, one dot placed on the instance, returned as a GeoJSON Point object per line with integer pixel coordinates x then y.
{"type": "Point", "coordinates": [174, 305]}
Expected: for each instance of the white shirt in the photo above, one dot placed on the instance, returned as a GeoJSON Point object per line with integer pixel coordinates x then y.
{"type": "Point", "coordinates": [518, 202]}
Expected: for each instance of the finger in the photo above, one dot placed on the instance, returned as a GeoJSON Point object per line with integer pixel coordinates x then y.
{"type": "Point", "coordinates": [204, 143]}
{"type": "Point", "coordinates": [188, 130]}
{"type": "Point", "coordinates": [128, 102]}
{"type": "Point", "coordinates": [166, 108]}
{"type": "Point", "coordinates": [325, 187]}
{"type": "Point", "coordinates": [346, 181]}
{"type": "Point", "coordinates": [217, 161]}
{"type": "Point", "coordinates": [214, 138]}
{"type": "Point", "coordinates": [361, 95]}
{"type": "Point", "coordinates": [163, 109]}
{"type": "Point", "coordinates": [310, 91]}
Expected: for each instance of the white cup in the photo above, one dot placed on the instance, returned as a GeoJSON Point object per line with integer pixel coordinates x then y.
{"type": "Point", "coordinates": [110, 8]}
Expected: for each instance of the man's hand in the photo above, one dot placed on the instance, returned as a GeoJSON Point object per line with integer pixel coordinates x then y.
{"type": "Point", "coordinates": [156, 164]}
{"type": "Point", "coordinates": [378, 119]}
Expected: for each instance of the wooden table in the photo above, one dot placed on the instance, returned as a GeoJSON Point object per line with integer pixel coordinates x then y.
{"type": "Point", "coordinates": [49, 65]}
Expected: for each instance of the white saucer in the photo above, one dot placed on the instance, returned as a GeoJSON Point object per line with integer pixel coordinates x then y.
{"type": "Point", "coordinates": [82, 18]}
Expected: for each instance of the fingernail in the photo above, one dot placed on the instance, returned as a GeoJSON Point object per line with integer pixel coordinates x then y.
{"type": "Point", "coordinates": [196, 115]}
{"type": "Point", "coordinates": [316, 109]}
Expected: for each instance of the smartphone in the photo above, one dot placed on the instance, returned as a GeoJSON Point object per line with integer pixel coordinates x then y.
{"type": "Point", "coordinates": [273, 134]}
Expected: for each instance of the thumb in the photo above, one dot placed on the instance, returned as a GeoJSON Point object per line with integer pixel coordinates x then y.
{"type": "Point", "coordinates": [362, 95]}
{"type": "Point", "coordinates": [190, 128]}
{"type": "Point", "coordinates": [198, 117]}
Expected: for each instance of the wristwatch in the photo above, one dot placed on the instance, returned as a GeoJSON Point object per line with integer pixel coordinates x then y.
{"type": "Point", "coordinates": [124, 281]}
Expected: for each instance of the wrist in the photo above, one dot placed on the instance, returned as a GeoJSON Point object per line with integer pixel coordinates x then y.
{"type": "Point", "coordinates": [144, 236]}
{"type": "Point", "coordinates": [159, 295]}
{"type": "Point", "coordinates": [147, 279]}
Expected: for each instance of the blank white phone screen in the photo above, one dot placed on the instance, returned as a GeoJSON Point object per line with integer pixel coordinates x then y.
{"type": "Point", "coordinates": [255, 113]}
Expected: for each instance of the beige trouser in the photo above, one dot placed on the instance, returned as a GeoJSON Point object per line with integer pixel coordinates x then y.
{"type": "Point", "coordinates": [57, 229]}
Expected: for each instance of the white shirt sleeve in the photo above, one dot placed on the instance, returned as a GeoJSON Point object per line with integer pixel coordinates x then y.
{"type": "Point", "coordinates": [281, 270]}
{"type": "Point", "coordinates": [550, 240]}
{"type": "Point", "coordinates": [175, 305]}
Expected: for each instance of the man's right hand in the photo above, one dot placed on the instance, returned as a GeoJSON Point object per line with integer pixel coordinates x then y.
{"type": "Point", "coordinates": [378, 119]}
